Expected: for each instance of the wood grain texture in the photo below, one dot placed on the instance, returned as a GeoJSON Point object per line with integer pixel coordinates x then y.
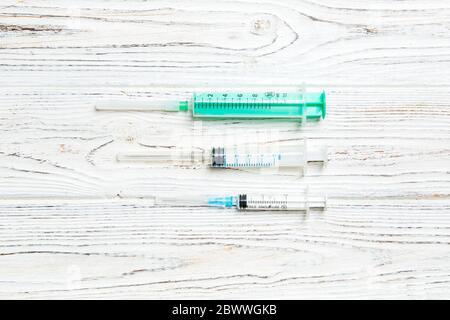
{"type": "Point", "coordinates": [74, 223]}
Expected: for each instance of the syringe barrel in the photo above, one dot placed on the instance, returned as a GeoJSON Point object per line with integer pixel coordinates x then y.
{"type": "Point", "coordinates": [235, 157]}
{"type": "Point", "coordinates": [291, 154]}
{"type": "Point", "coordinates": [281, 202]}
{"type": "Point", "coordinates": [265, 105]}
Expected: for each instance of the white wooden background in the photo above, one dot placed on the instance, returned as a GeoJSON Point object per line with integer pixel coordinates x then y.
{"type": "Point", "coordinates": [76, 224]}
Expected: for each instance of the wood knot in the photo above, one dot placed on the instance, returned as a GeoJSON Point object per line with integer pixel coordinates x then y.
{"type": "Point", "coordinates": [261, 26]}
{"type": "Point", "coordinates": [370, 30]}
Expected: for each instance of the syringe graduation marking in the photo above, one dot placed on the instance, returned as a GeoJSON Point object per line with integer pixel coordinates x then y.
{"type": "Point", "coordinates": [222, 158]}
{"type": "Point", "coordinates": [261, 202]}
{"type": "Point", "coordinates": [225, 102]}
{"type": "Point", "coordinates": [294, 105]}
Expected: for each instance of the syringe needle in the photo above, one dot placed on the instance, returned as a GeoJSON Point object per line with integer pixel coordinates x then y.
{"type": "Point", "coordinates": [165, 156]}
{"type": "Point", "coordinates": [138, 105]}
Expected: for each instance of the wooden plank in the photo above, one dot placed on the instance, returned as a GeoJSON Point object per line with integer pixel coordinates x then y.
{"type": "Point", "coordinates": [384, 249]}
{"type": "Point", "coordinates": [143, 43]}
{"type": "Point", "coordinates": [75, 223]}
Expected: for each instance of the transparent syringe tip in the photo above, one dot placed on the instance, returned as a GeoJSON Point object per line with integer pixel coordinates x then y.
{"type": "Point", "coordinates": [164, 156]}
{"type": "Point", "coordinates": [144, 157]}
{"type": "Point", "coordinates": [123, 104]}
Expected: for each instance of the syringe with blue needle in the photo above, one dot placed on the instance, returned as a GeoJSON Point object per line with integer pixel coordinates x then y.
{"type": "Point", "coordinates": [300, 200]}
{"type": "Point", "coordinates": [269, 202]}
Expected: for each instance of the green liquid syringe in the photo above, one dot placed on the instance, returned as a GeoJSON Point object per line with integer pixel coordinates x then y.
{"type": "Point", "coordinates": [299, 106]}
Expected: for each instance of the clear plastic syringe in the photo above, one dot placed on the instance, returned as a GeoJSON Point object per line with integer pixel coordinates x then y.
{"type": "Point", "coordinates": [292, 154]}
{"type": "Point", "coordinates": [272, 202]}
{"type": "Point", "coordinates": [299, 106]}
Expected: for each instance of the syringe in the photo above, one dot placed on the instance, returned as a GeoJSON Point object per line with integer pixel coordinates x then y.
{"type": "Point", "coordinates": [298, 106]}
{"type": "Point", "coordinates": [274, 202]}
{"type": "Point", "coordinates": [291, 154]}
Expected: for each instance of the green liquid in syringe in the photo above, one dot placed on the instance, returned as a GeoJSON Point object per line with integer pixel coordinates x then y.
{"type": "Point", "coordinates": [268, 105]}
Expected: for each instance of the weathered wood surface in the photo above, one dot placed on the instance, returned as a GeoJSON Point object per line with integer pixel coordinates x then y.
{"type": "Point", "coordinates": [74, 223]}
